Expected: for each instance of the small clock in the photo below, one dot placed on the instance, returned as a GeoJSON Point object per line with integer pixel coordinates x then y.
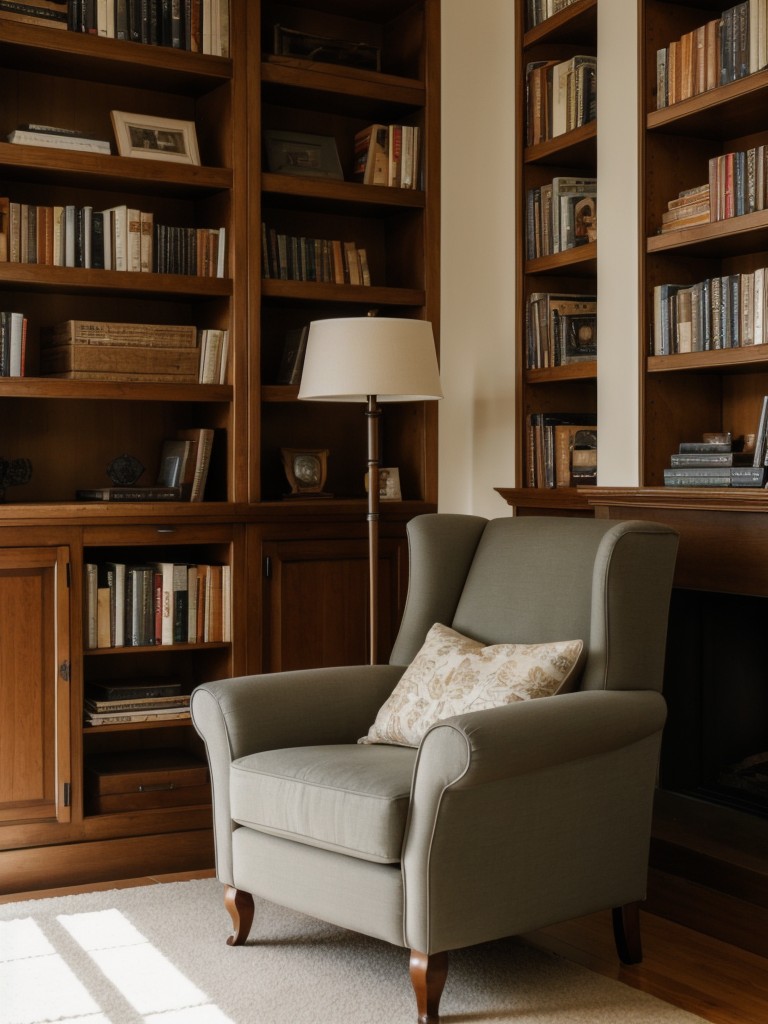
{"type": "Point", "coordinates": [306, 469]}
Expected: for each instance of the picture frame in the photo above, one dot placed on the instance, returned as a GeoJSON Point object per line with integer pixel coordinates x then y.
{"type": "Point", "coordinates": [389, 484]}
{"type": "Point", "coordinates": [155, 138]}
{"type": "Point", "coordinates": [306, 470]}
{"type": "Point", "coordinates": [302, 154]}
{"type": "Point", "coordinates": [290, 42]}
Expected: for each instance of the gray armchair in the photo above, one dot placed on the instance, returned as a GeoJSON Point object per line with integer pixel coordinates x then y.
{"type": "Point", "coordinates": [502, 821]}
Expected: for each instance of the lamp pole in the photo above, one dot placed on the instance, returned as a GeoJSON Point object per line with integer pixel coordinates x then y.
{"type": "Point", "coordinates": [373, 415]}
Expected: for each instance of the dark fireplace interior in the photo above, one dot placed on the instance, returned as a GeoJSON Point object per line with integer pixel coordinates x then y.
{"type": "Point", "coordinates": [715, 743]}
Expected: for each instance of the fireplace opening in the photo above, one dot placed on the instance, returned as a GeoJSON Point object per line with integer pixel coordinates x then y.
{"type": "Point", "coordinates": [715, 744]}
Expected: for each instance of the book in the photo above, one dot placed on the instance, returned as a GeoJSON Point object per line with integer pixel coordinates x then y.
{"type": "Point", "coordinates": [51, 141]}
{"type": "Point", "coordinates": [101, 332]}
{"type": "Point", "coordinates": [149, 362]}
{"type": "Point", "coordinates": [372, 155]}
{"type": "Point", "coordinates": [138, 688]}
{"type": "Point", "coordinates": [203, 438]}
{"type": "Point", "coordinates": [132, 493]}
{"type": "Point", "coordinates": [292, 361]}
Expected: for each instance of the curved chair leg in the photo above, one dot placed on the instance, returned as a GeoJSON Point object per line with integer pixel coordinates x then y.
{"type": "Point", "coordinates": [239, 906]}
{"type": "Point", "coordinates": [626, 933]}
{"type": "Point", "coordinates": [428, 974]}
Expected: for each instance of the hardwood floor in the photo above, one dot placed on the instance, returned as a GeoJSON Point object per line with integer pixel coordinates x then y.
{"type": "Point", "coordinates": [717, 981]}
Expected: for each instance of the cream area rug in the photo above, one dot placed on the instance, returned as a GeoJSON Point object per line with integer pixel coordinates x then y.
{"type": "Point", "coordinates": [157, 954]}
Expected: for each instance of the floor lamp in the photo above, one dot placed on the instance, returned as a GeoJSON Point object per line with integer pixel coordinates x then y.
{"type": "Point", "coordinates": [371, 360]}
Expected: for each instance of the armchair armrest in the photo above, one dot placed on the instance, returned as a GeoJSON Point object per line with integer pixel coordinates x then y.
{"type": "Point", "coordinates": [247, 714]}
{"type": "Point", "coordinates": [499, 796]}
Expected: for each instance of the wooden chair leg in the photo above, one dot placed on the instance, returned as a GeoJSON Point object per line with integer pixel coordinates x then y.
{"type": "Point", "coordinates": [428, 974]}
{"type": "Point", "coordinates": [626, 933]}
{"type": "Point", "coordinates": [240, 908]}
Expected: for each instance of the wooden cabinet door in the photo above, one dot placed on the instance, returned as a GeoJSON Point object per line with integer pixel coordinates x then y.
{"type": "Point", "coordinates": [316, 601]}
{"type": "Point", "coordinates": [34, 685]}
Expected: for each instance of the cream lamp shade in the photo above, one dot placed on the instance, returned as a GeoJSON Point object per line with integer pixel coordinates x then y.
{"type": "Point", "coordinates": [349, 359]}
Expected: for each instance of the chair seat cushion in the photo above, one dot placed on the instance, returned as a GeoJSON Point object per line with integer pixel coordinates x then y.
{"type": "Point", "coordinates": [348, 798]}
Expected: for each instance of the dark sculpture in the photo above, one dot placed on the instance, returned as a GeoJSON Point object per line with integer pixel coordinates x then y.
{"type": "Point", "coordinates": [13, 472]}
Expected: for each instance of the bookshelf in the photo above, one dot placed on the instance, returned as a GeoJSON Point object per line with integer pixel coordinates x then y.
{"type": "Point", "coordinates": [298, 569]}
{"type": "Point", "coordinates": [71, 430]}
{"type": "Point", "coordinates": [559, 277]}
{"type": "Point", "coordinates": [720, 389]}
{"type": "Point", "coordinates": [397, 227]}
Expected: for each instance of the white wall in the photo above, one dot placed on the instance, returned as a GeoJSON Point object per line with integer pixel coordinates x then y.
{"type": "Point", "coordinates": [478, 274]}
{"type": "Point", "coordinates": [477, 415]}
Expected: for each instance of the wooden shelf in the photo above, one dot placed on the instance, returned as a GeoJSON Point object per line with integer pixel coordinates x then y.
{"type": "Point", "coordinates": [112, 391]}
{"type": "Point", "coordinates": [731, 360]}
{"type": "Point", "coordinates": [745, 234]}
{"type": "Point", "coordinates": [577, 148]}
{"type": "Point", "coordinates": [572, 371]}
{"type": "Point", "coordinates": [341, 195]}
{"type": "Point", "coordinates": [726, 112]}
{"type": "Point", "coordinates": [151, 177]}
{"type": "Point", "coordinates": [581, 261]}
{"type": "Point", "coordinates": [41, 278]}
{"type": "Point", "coordinates": [574, 24]}
{"type": "Point", "coordinates": [312, 291]}
{"type": "Point", "coordinates": [350, 85]}
{"type": "Point", "coordinates": [546, 498]}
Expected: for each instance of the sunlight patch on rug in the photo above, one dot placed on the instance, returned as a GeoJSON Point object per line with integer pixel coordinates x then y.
{"type": "Point", "coordinates": [157, 954]}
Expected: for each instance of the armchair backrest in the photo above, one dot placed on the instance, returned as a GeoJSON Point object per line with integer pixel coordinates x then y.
{"type": "Point", "coordinates": [532, 579]}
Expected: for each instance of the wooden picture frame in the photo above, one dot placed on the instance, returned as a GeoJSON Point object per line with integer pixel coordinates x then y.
{"type": "Point", "coordinates": [306, 470]}
{"type": "Point", "coordinates": [299, 153]}
{"type": "Point", "coordinates": [155, 138]}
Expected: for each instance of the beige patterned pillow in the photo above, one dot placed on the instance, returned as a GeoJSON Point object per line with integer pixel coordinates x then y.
{"type": "Point", "coordinates": [452, 674]}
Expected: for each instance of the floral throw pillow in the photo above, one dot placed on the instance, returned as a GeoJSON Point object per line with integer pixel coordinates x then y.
{"type": "Point", "coordinates": [452, 674]}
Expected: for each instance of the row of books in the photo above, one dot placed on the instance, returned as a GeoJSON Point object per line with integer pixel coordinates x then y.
{"type": "Point", "coordinates": [388, 155]}
{"type": "Point", "coordinates": [198, 25]}
{"type": "Point", "coordinates": [116, 703]}
{"type": "Point", "coordinates": [717, 461]}
{"type": "Point", "coordinates": [738, 183]}
{"type": "Point", "coordinates": [722, 50]}
{"type": "Point", "coordinates": [118, 238]}
{"type": "Point", "coordinates": [539, 10]}
{"type": "Point", "coordinates": [560, 329]}
{"type": "Point", "coordinates": [561, 449]}
{"type": "Point", "coordinates": [560, 96]}
{"type": "Point", "coordinates": [717, 313]}
{"type": "Point", "coordinates": [560, 216]}
{"type": "Point", "coordinates": [182, 473]}
{"type": "Point", "coordinates": [290, 258]}
{"type": "Point", "coordinates": [13, 344]}
{"type": "Point", "coordinates": [156, 604]}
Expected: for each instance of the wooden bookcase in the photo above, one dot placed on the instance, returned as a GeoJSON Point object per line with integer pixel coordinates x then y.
{"type": "Point", "coordinates": [562, 388]}
{"type": "Point", "coordinates": [298, 568]}
{"type": "Point", "coordinates": [686, 394]}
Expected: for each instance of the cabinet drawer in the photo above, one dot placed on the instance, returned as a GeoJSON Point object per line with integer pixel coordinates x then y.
{"type": "Point", "coordinates": [140, 780]}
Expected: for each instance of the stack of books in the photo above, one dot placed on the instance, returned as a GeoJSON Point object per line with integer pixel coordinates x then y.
{"type": "Point", "coordinates": [59, 138]}
{"type": "Point", "coordinates": [715, 461]}
{"type": "Point", "coordinates": [101, 350]}
{"type": "Point", "coordinates": [388, 155]}
{"type": "Point", "coordinates": [118, 703]}
{"type": "Point", "coordinates": [691, 206]}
